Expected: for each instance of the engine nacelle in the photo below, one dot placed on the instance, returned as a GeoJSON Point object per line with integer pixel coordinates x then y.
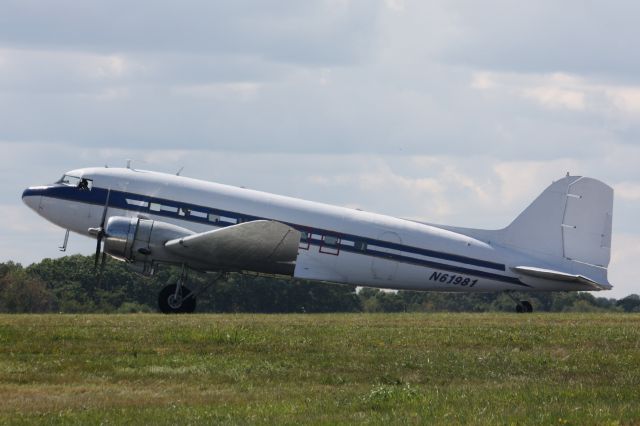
{"type": "Point", "coordinates": [141, 241]}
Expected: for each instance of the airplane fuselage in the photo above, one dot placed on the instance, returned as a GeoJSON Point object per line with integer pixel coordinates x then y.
{"type": "Point", "coordinates": [337, 244]}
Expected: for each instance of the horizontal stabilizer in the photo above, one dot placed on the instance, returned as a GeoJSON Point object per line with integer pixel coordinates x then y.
{"type": "Point", "coordinates": [549, 274]}
{"type": "Point", "coordinates": [259, 246]}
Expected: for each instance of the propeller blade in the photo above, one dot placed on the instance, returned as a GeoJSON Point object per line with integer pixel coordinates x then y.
{"type": "Point", "coordinates": [101, 233]}
{"type": "Point", "coordinates": [103, 262]}
{"type": "Point", "coordinates": [98, 248]}
{"type": "Point", "coordinates": [106, 207]}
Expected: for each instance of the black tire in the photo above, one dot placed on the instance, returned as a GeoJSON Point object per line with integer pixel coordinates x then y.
{"type": "Point", "coordinates": [520, 308]}
{"type": "Point", "coordinates": [189, 305]}
{"type": "Point", "coordinates": [526, 305]}
{"type": "Point", "coordinates": [186, 306]}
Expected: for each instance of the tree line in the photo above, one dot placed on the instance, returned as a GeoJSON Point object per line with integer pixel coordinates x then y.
{"type": "Point", "coordinates": [69, 285]}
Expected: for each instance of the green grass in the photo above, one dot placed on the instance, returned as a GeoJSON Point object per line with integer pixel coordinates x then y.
{"type": "Point", "coordinates": [346, 368]}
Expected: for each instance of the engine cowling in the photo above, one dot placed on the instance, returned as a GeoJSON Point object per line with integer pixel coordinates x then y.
{"type": "Point", "coordinates": [140, 241]}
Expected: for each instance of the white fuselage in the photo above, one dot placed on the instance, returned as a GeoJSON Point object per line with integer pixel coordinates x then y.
{"type": "Point", "coordinates": [339, 244]}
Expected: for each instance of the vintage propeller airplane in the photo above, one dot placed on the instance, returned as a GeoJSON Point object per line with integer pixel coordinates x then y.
{"type": "Point", "coordinates": [561, 242]}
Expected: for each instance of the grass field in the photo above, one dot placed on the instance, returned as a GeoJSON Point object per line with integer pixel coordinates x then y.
{"type": "Point", "coordinates": [351, 368]}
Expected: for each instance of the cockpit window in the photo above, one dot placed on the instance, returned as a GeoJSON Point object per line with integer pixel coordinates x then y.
{"type": "Point", "coordinates": [69, 180]}
{"type": "Point", "coordinates": [76, 182]}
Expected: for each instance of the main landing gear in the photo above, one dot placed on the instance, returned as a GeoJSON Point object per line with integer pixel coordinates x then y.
{"type": "Point", "coordinates": [522, 306]}
{"type": "Point", "coordinates": [177, 298]}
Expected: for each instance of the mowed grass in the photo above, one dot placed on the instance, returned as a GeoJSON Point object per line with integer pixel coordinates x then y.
{"type": "Point", "coordinates": [334, 368]}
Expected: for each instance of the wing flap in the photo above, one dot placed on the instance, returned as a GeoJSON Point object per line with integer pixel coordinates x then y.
{"type": "Point", "coordinates": [550, 274]}
{"type": "Point", "coordinates": [260, 246]}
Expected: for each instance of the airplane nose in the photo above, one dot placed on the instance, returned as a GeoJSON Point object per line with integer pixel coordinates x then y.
{"type": "Point", "coordinates": [31, 199]}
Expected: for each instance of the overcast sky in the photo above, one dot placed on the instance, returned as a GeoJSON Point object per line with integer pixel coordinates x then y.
{"type": "Point", "coordinates": [447, 111]}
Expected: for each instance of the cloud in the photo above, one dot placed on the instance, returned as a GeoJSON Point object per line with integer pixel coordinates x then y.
{"type": "Point", "coordinates": [482, 81]}
{"type": "Point", "coordinates": [241, 91]}
{"type": "Point", "coordinates": [394, 95]}
{"type": "Point", "coordinates": [626, 99]}
{"type": "Point", "coordinates": [625, 252]}
{"type": "Point", "coordinates": [589, 102]}
{"type": "Point", "coordinates": [395, 5]}
{"type": "Point", "coordinates": [51, 72]}
{"type": "Point", "coordinates": [17, 221]}
{"type": "Point", "coordinates": [317, 31]}
{"type": "Point", "coordinates": [520, 179]}
{"type": "Point", "coordinates": [557, 98]}
{"type": "Point", "coordinates": [574, 36]}
{"type": "Point", "coordinates": [628, 190]}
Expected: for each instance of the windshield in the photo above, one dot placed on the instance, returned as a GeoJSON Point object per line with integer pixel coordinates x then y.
{"type": "Point", "coordinates": [75, 182]}
{"type": "Point", "coordinates": [69, 180]}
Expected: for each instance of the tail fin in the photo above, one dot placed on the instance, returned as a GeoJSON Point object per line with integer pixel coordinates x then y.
{"type": "Point", "coordinates": [567, 227]}
{"type": "Point", "coordinates": [571, 219]}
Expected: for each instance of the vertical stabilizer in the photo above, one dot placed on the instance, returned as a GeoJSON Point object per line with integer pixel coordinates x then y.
{"type": "Point", "coordinates": [571, 219]}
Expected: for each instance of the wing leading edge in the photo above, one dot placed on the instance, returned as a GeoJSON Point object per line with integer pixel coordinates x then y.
{"type": "Point", "coordinates": [260, 246]}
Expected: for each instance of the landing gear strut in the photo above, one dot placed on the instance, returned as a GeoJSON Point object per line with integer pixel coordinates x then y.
{"type": "Point", "coordinates": [177, 298]}
{"type": "Point", "coordinates": [522, 306]}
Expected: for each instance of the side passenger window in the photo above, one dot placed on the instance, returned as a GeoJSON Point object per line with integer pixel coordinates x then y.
{"type": "Point", "coordinates": [305, 240]}
{"type": "Point", "coordinates": [330, 244]}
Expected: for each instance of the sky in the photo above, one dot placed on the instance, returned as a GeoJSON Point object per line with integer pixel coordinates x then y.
{"type": "Point", "coordinates": [447, 111]}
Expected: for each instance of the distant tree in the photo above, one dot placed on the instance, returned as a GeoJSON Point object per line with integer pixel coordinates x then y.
{"type": "Point", "coordinates": [22, 293]}
{"type": "Point", "coordinates": [69, 284]}
{"type": "Point", "coordinates": [240, 293]}
{"type": "Point", "coordinates": [630, 303]}
{"type": "Point", "coordinates": [375, 300]}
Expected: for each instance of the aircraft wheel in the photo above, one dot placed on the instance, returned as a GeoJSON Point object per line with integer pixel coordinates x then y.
{"type": "Point", "coordinates": [520, 308]}
{"type": "Point", "coordinates": [170, 304]}
{"type": "Point", "coordinates": [526, 305]}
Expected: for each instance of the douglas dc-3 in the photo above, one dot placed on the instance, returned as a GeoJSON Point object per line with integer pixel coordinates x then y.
{"type": "Point", "coordinates": [561, 242]}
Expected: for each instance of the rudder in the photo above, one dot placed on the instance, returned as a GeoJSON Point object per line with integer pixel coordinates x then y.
{"type": "Point", "coordinates": [571, 219]}
{"type": "Point", "coordinates": [586, 228]}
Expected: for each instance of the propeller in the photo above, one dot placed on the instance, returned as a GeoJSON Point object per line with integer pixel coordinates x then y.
{"type": "Point", "coordinates": [103, 262]}
{"type": "Point", "coordinates": [100, 234]}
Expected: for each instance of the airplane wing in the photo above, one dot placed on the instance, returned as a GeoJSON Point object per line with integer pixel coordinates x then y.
{"type": "Point", "coordinates": [261, 245]}
{"type": "Point", "coordinates": [559, 276]}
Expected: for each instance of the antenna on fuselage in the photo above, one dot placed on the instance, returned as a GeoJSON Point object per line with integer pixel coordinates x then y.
{"type": "Point", "coordinates": [180, 171]}
{"type": "Point", "coordinates": [128, 163]}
